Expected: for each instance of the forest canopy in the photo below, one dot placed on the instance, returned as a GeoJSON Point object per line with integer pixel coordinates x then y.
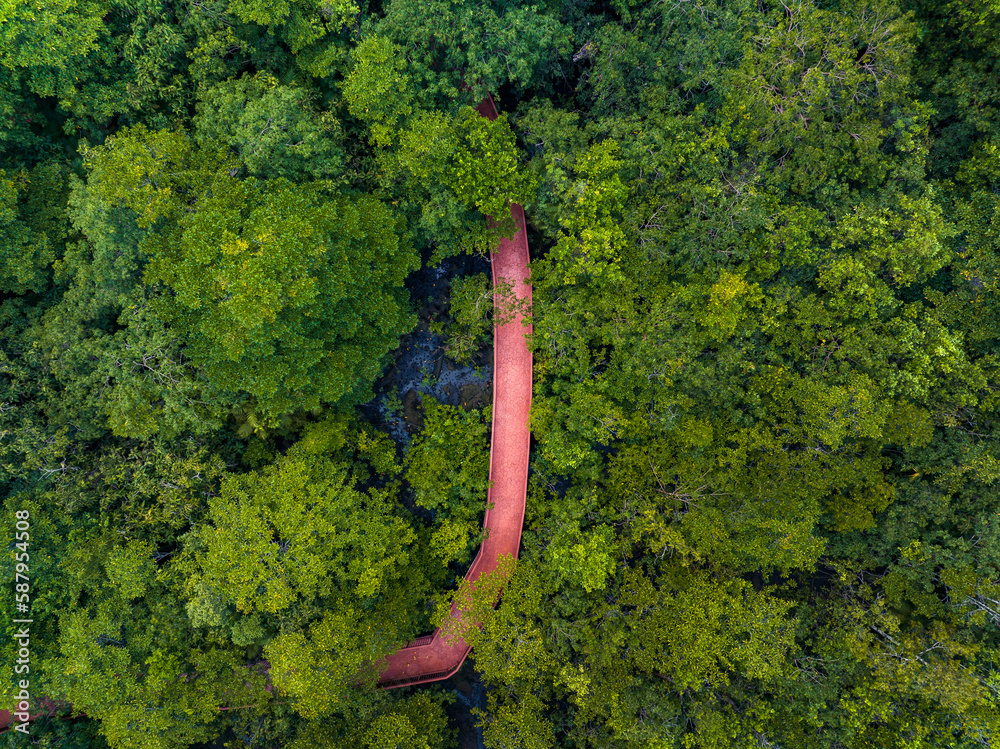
{"type": "Point", "coordinates": [764, 494]}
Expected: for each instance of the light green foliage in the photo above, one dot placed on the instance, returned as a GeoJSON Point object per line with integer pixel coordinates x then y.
{"type": "Point", "coordinates": [416, 720]}
{"type": "Point", "coordinates": [295, 558]}
{"type": "Point", "coordinates": [465, 161]}
{"type": "Point", "coordinates": [464, 615]}
{"type": "Point", "coordinates": [419, 720]}
{"type": "Point", "coordinates": [518, 726]}
{"type": "Point", "coordinates": [708, 630]}
{"type": "Point", "coordinates": [152, 172]}
{"type": "Point", "coordinates": [377, 89]}
{"type": "Point", "coordinates": [278, 13]}
{"type": "Point", "coordinates": [422, 166]}
{"type": "Point", "coordinates": [125, 654]}
{"type": "Point", "coordinates": [447, 466]}
{"type": "Point", "coordinates": [486, 170]}
{"type": "Point", "coordinates": [393, 731]}
{"type": "Point", "coordinates": [730, 301]}
{"type": "Point", "coordinates": [130, 569]}
{"type": "Point", "coordinates": [296, 531]}
{"type": "Point", "coordinates": [318, 667]}
{"type": "Point", "coordinates": [512, 658]}
{"type": "Point", "coordinates": [291, 294]}
{"type": "Point", "coordinates": [584, 561]}
{"type": "Point", "coordinates": [591, 236]}
{"type": "Point", "coordinates": [275, 130]}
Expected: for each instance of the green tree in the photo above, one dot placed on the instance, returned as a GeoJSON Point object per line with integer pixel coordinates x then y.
{"type": "Point", "coordinates": [297, 531]}
{"type": "Point", "coordinates": [275, 130]}
{"type": "Point", "coordinates": [451, 45]}
{"type": "Point", "coordinates": [296, 558]}
{"type": "Point", "coordinates": [33, 225]}
{"type": "Point", "coordinates": [48, 40]}
{"type": "Point", "coordinates": [448, 466]}
{"type": "Point", "coordinates": [308, 27]}
{"type": "Point", "coordinates": [291, 294]}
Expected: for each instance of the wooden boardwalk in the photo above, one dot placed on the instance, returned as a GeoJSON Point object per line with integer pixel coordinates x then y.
{"type": "Point", "coordinates": [431, 658]}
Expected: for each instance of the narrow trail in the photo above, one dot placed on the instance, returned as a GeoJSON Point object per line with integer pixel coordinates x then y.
{"type": "Point", "coordinates": [431, 658]}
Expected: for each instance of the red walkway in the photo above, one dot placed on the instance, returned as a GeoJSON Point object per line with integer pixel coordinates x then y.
{"type": "Point", "coordinates": [431, 658]}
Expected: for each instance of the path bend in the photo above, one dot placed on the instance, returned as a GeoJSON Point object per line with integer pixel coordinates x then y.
{"type": "Point", "coordinates": [431, 658]}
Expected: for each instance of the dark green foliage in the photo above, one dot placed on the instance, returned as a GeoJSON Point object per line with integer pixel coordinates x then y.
{"type": "Point", "coordinates": [763, 505]}
{"type": "Point", "coordinates": [451, 42]}
{"type": "Point", "coordinates": [274, 129]}
{"type": "Point", "coordinates": [33, 225]}
{"type": "Point", "coordinates": [61, 732]}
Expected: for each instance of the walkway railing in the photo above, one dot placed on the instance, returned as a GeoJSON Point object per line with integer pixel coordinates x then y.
{"type": "Point", "coordinates": [432, 657]}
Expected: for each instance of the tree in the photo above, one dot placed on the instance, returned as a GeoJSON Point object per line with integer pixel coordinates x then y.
{"type": "Point", "coordinates": [451, 45]}
{"type": "Point", "coordinates": [448, 466]}
{"type": "Point", "coordinates": [275, 130]}
{"type": "Point", "coordinates": [49, 39]}
{"type": "Point", "coordinates": [820, 91]}
{"type": "Point", "coordinates": [450, 171]}
{"type": "Point", "coordinates": [417, 720]}
{"type": "Point", "coordinates": [378, 90]}
{"type": "Point", "coordinates": [291, 294]}
{"type": "Point", "coordinates": [308, 27]}
{"type": "Point", "coordinates": [298, 531]}
{"type": "Point", "coordinates": [33, 225]}
{"type": "Point", "coordinates": [295, 558]}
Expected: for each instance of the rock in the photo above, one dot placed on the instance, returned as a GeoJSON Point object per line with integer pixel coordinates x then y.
{"type": "Point", "coordinates": [475, 395]}
{"type": "Point", "coordinates": [413, 414]}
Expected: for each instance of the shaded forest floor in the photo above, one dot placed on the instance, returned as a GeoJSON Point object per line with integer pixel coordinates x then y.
{"type": "Point", "coordinates": [420, 365]}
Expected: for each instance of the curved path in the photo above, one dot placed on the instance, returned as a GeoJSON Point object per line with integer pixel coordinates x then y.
{"type": "Point", "coordinates": [431, 658]}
